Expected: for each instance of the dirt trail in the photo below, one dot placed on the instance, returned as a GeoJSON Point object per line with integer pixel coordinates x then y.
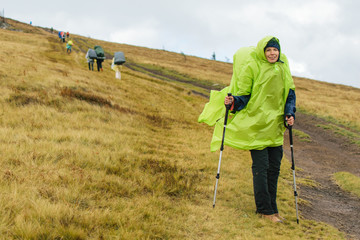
{"type": "Point", "coordinates": [326, 154]}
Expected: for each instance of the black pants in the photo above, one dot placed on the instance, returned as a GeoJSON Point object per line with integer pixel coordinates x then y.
{"type": "Point", "coordinates": [91, 66]}
{"type": "Point", "coordinates": [99, 65]}
{"type": "Point", "coordinates": [266, 170]}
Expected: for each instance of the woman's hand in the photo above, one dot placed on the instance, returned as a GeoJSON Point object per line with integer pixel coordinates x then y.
{"type": "Point", "coordinates": [290, 120]}
{"type": "Point", "coordinates": [229, 100]}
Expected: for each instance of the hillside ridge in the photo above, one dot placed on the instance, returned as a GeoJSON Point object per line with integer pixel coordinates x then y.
{"type": "Point", "coordinates": [87, 156]}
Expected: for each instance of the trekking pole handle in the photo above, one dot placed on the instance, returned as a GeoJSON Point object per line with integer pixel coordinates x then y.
{"type": "Point", "coordinates": [228, 106]}
{"type": "Point", "coordinates": [285, 121]}
{"type": "Point", "coordinates": [289, 127]}
{"type": "Point", "coordinates": [290, 135]}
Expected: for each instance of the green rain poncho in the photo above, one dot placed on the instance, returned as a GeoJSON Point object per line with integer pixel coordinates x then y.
{"type": "Point", "coordinates": [261, 123]}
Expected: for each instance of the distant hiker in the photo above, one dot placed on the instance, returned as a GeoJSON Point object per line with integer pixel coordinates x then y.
{"type": "Point", "coordinates": [117, 62]}
{"type": "Point", "coordinates": [69, 46]}
{"type": "Point", "coordinates": [264, 97]}
{"type": "Point", "coordinates": [30, 22]}
{"type": "Point", "coordinates": [117, 69]}
{"type": "Point", "coordinates": [90, 56]}
{"type": "Point", "coordinates": [67, 35]}
{"type": "Point", "coordinates": [61, 36]}
{"type": "Point", "coordinates": [100, 57]}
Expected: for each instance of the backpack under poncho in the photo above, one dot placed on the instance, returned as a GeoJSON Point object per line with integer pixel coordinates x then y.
{"type": "Point", "coordinates": [91, 54]}
{"type": "Point", "coordinates": [261, 123]}
{"type": "Point", "coordinates": [99, 52]}
{"type": "Point", "coordinates": [119, 58]}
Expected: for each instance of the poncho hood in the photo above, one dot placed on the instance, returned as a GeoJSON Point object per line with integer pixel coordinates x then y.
{"type": "Point", "coordinates": [260, 48]}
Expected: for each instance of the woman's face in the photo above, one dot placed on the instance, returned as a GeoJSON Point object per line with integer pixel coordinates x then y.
{"type": "Point", "coordinates": [272, 54]}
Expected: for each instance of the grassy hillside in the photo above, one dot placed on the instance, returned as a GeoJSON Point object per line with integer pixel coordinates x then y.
{"type": "Point", "coordinates": [87, 156]}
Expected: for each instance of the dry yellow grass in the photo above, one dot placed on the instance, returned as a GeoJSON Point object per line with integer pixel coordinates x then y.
{"type": "Point", "coordinates": [86, 156]}
{"type": "Point", "coordinates": [339, 102]}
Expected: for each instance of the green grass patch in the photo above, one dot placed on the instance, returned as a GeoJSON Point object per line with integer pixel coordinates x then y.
{"type": "Point", "coordinates": [348, 182]}
{"type": "Point", "coordinates": [302, 136]}
{"type": "Point", "coordinates": [353, 137]}
{"type": "Point", "coordinates": [308, 182]}
{"type": "Point", "coordinates": [351, 125]}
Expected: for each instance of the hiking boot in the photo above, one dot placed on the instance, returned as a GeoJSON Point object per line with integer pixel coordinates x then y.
{"type": "Point", "coordinates": [272, 218]}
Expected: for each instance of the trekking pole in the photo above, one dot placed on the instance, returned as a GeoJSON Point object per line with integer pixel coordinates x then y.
{"type": "Point", "coordinates": [221, 149]}
{"type": "Point", "coordinates": [293, 170]}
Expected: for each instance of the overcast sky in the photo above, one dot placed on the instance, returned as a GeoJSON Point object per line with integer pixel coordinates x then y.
{"type": "Point", "coordinates": [321, 38]}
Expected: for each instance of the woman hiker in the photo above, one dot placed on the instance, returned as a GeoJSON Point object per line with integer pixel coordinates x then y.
{"type": "Point", "coordinates": [117, 68]}
{"type": "Point", "coordinates": [69, 45]}
{"type": "Point", "coordinates": [263, 98]}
